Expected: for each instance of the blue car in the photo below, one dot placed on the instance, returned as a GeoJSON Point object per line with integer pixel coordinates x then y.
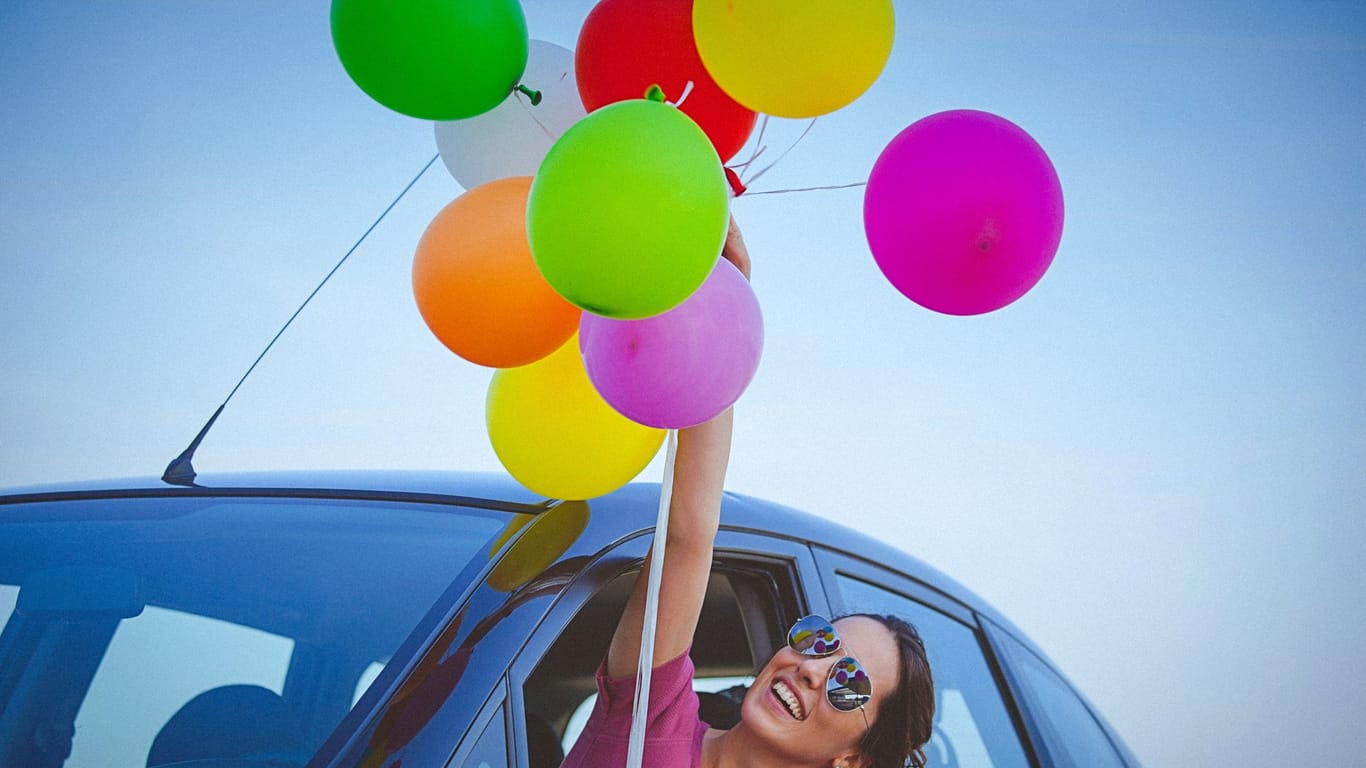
{"type": "Point", "coordinates": [379, 620]}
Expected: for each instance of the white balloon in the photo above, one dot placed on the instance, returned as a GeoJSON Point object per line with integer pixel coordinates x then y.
{"type": "Point", "coordinates": [513, 138]}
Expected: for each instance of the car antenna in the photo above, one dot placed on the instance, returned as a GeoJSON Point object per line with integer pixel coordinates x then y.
{"type": "Point", "coordinates": [181, 469]}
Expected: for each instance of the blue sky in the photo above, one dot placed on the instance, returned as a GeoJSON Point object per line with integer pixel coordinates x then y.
{"type": "Point", "coordinates": [1153, 462]}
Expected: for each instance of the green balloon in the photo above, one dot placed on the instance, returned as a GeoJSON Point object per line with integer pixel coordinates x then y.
{"type": "Point", "coordinates": [432, 59]}
{"type": "Point", "coordinates": [628, 212]}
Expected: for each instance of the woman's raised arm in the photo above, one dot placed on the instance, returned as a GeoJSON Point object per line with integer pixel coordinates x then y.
{"type": "Point", "coordinates": [694, 515]}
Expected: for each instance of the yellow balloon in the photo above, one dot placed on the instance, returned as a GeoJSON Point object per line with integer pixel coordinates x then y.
{"type": "Point", "coordinates": [556, 435]}
{"type": "Point", "coordinates": [794, 58]}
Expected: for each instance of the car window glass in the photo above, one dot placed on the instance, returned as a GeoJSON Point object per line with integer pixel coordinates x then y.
{"type": "Point", "coordinates": [9, 595]}
{"type": "Point", "coordinates": [491, 750]}
{"type": "Point", "coordinates": [190, 655]}
{"type": "Point", "coordinates": [1071, 733]}
{"type": "Point", "coordinates": [366, 678]}
{"type": "Point", "coordinates": [127, 609]}
{"type": "Point", "coordinates": [971, 723]}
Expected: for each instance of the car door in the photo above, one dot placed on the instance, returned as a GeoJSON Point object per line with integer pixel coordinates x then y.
{"type": "Point", "coordinates": [976, 721]}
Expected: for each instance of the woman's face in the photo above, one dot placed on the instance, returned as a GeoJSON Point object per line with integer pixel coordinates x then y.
{"type": "Point", "coordinates": [787, 703]}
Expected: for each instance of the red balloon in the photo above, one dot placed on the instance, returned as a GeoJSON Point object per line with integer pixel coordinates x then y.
{"type": "Point", "coordinates": [626, 46]}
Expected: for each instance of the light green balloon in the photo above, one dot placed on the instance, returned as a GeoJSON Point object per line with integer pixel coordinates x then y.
{"type": "Point", "coordinates": [628, 212]}
{"type": "Point", "coordinates": [432, 59]}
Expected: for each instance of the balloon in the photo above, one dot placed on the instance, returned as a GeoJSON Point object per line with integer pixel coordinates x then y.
{"type": "Point", "coordinates": [685, 366]}
{"type": "Point", "coordinates": [478, 289]}
{"type": "Point", "coordinates": [963, 212]}
{"type": "Point", "coordinates": [543, 538]}
{"type": "Point", "coordinates": [554, 433]}
{"type": "Point", "coordinates": [626, 46]}
{"type": "Point", "coordinates": [629, 210]}
{"type": "Point", "coordinates": [433, 59]}
{"type": "Point", "coordinates": [794, 58]}
{"type": "Point", "coordinates": [512, 138]}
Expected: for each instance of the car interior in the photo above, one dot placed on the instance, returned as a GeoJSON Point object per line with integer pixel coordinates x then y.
{"type": "Point", "coordinates": [741, 625]}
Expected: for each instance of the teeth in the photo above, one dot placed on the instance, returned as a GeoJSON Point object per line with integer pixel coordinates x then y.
{"type": "Point", "coordinates": [785, 694]}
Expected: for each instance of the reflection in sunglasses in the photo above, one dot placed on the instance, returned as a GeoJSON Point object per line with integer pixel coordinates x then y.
{"type": "Point", "coordinates": [813, 636]}
{"type": "Point", "coordinates": [848, 686]}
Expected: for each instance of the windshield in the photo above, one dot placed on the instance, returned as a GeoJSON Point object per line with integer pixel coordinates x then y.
{"type": "Point", "coordinates": [129, 623]}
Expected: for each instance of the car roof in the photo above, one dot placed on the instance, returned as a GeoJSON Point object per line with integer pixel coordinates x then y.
{"type": "Point", "coordinates": [626, 512]}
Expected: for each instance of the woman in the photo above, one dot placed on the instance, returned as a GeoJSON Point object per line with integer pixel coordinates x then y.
{"type": "Point", "coordinates": [811, 705]}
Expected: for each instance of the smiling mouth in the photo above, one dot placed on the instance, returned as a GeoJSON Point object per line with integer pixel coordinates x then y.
{"type": "Point", "coordinates": [789, 700]}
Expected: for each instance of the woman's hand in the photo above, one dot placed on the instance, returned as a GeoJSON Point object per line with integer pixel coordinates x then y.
{"type": "Point", "coordinates": [734, 250]}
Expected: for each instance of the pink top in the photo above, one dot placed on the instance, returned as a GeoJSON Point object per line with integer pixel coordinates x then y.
{"type": "Point", "coordinates": [673, 733]}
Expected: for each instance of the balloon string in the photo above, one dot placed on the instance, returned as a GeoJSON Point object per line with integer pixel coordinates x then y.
{"type": "Point", "coordinates": [753, 156]}
{"type": "Point", "coordinates": [769, 167]}
{"type": "Point", "coordinates": [635, 746]}
{"type": "Point", "coordinates": [759, 145]}
{"type": "Point", "coordinates": [687, 89]}
{"type": "Point", "coordinates": [806, 189]}
{"type": "Point", "coordinates": [531, 113]}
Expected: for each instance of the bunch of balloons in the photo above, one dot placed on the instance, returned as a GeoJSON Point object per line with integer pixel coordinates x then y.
{"type": "Point", "coordinates": [582, 263]}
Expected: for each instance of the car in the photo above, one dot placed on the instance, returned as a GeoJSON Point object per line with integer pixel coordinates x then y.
{"type": "Point", "coordinates": [378, 620]}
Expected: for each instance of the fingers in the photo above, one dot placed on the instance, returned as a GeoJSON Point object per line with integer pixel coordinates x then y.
{"type": "Point", "coordinates": [734, 250]}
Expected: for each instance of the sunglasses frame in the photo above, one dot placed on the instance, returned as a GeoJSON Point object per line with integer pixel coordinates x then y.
{"type": "Point", "coordinates": [817, 642]}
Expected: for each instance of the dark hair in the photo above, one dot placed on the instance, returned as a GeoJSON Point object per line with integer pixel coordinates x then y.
{"type": "Point", "coordinates": [905, 720]}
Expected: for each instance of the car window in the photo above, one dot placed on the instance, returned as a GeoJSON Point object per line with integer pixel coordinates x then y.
{"type": "Point", "coordinates": [559, 694]}
{"type": "Point", "coordinates": [491, 750]}
{"type": "Point", "coordinates": [9, 594]}
{"type": "Point", "coordinates": [192, 655]}
{"type": "Point", "coordinates": [972, 726]}
{"type": "Point", "coordinates": [699, 684]}
{"type": "Point", "coordinates": [1071, 734]}
{"type": "Point", "coordinates": [366, 678]}
{"type": "Point", "coordinates": [241, 622]}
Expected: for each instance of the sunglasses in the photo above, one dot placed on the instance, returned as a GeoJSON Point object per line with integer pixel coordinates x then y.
{"type": "Point", "coordinates": [847, 687]}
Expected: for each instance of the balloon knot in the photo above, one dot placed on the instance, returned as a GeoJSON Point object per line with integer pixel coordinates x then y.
{"type": "Point", "coordinates": [655, 93]}
{"type": "Point", "coordinates": [535, 96]}
{"type": "Point", "coordinates": [734, 179]}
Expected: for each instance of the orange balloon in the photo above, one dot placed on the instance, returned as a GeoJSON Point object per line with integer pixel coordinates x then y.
{"type": "Point", "coordinates": [478, 288]}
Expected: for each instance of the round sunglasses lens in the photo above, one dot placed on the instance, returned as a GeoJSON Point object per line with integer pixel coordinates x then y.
{"type": "Point", "coordinates": [848, 686]}
{"type": "Point", "coordinates": [813, 636]}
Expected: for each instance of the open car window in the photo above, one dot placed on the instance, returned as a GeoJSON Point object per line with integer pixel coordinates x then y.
{"type": "Point", "coordinates": [560, 693]}
{"type": "Point", "coordinates": [756, 588]}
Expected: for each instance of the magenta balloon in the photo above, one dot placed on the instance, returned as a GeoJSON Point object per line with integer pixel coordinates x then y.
{"type": "Point", "coordinates": [684, 366]}
{"type": "Point", "coordinates": [963, 212]}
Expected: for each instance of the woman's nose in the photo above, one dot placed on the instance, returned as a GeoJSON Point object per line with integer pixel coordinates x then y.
{"type": "Point", "coordinates": [811, 672]}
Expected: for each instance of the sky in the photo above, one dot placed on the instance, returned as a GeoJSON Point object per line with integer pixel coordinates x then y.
{"type": "Point", "coordinates": [1154, 463]}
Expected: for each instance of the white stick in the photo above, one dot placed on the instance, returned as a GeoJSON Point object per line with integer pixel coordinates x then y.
{"type": "Point", "coordinates": [635, 748]}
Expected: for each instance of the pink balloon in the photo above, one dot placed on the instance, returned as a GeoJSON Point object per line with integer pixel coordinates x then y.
{"type": "Point", "coordinates": [684, 366]}
{"type": "Point", "coordinates": [963, 212]}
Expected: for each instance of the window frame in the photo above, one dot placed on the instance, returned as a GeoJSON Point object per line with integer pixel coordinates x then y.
{"type": "Point", "coordinates": [795, 578]}
{"type": "Point", "coordinates": [835, 563]}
